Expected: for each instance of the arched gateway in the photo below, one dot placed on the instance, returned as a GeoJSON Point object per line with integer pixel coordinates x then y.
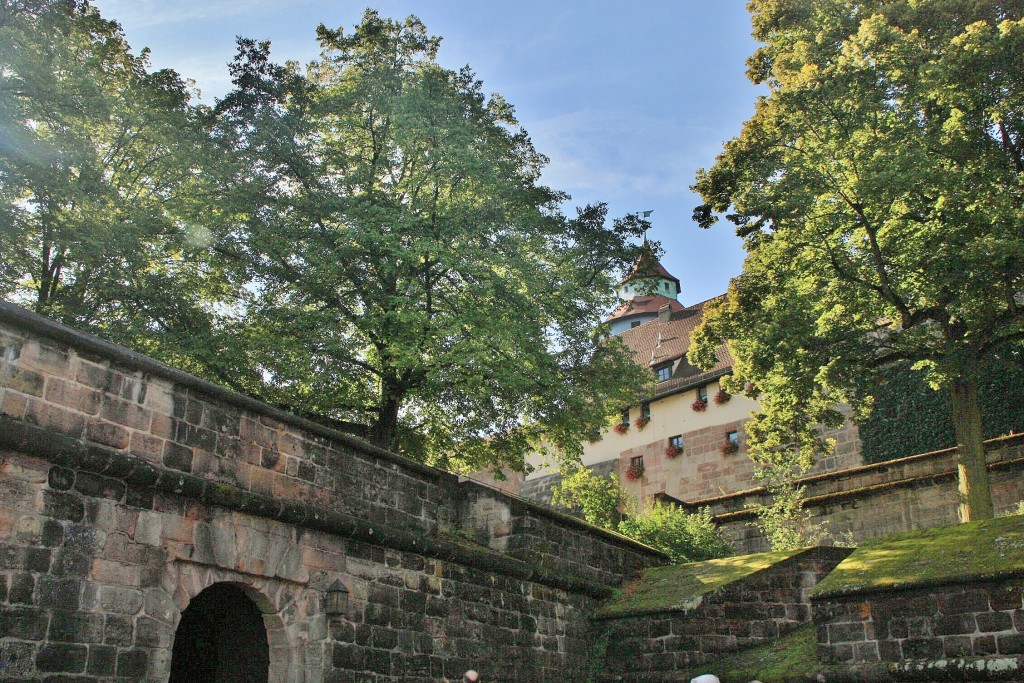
{"type": "Point", "coordinates": [221, 638]}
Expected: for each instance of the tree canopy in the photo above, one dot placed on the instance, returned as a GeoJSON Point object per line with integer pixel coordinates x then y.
{"type": "Point", "coordinates": [878, 189]}
{"type": "Point", "coordinates": [364, 239]}
{"type": "Point", "coordinates": [102, 183]}
{"type": "Point", "coordinates": [409, 273]}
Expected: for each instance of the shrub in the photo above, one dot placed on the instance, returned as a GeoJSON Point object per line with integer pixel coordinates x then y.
{"type": "Point", "coordinates": [598, 498]}
{"type": "Point", "coordinates": [683, 537]}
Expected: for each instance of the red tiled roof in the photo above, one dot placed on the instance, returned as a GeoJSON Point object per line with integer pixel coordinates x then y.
{"type": "Point", "coordinates": [649, 266]}
{"type": "Point", "coordinates": [656, 342]}
{"type": "Point", "coordinates": [644, 304]}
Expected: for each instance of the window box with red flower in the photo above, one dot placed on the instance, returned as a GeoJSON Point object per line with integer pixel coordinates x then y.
{"type": "Point", "coordinates": [699, 405]}
{"type": "Point", "coordinates": [722, 396]}
{"type": "Point", "coordinates": [731, 444]}
{"type": "Point", "coordinates": [621, 428]}
{"type": "Point", "coordinates": [673, 451]}
{"type": "Point", "coordinates": [641, 422]}
{"type": "Point", "coordinates": [635, 470]}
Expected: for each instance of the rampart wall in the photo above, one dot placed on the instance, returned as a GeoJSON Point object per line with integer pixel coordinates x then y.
{"type": "Point", "coordinates": [127, 488]}
{"type": "Point", "coordinates": [860, 503]}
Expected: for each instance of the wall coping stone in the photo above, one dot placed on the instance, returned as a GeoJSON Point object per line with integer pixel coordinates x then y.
{"type": "Point", "coordinates": [32, 322]}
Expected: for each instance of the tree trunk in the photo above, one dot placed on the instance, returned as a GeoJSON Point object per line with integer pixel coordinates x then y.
{"type": "Point", "coordinates": [974, 493]}
{"type": "Point", "coordinates": [384, 431]}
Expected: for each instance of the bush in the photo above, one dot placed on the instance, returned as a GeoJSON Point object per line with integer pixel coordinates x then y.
{"type": "Point", "coordinates": [597, 498]}
{"type": "Point", "coordinates": [683, 537]}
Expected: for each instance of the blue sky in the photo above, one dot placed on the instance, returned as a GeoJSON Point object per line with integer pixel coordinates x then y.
{"type": "Point", "coordinates": [628, 99]}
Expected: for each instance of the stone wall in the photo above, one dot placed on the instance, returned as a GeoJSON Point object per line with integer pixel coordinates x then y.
{"type": "Point", "coordinates": [979, 619]}
{"type": "Point", "coordinates": [861, 503]}
{"type": "Point", "coordinates": [652, 646]}
{"type": "Point", "coordinates": [127, 488]}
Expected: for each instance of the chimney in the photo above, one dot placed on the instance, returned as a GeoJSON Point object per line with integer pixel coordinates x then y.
{"type": "Point", "coordinates": [664, 313]}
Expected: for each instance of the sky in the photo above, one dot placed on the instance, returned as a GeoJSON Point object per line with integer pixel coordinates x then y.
{"type": "Point", "coordinates": [627, 99]}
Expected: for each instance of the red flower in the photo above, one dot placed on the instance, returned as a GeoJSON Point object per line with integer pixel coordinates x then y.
{"type": "Point", "coordinates": [729, 447]}
{"type": "Point", "coordinates": [699, 405]}
{"type": "Point", "coordinates": [673, 451]}
{"type": "Point", "coordinates": [641, 422]}
{"type": "Point", "coordinates": [621, 428]}
{"type": "Point", "coordinates": [634, 471]}
{"type": "Point", "coordinates": [722, 396]}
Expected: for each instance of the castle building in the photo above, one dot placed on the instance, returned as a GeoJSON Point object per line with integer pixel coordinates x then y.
{"type": "Point", "coordinates": [687, 440]}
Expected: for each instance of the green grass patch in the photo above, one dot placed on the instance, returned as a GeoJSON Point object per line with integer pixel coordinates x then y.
{"type": "Point", "coordinates": [789, 658]}
{"type": "Point", "coordinates": [988, 548]}
{"type": "Point", "coordinates": [680, 587]}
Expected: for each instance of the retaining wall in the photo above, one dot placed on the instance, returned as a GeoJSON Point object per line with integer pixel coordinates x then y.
{"type": "Point", "coordinates": [127, 488]}
{"type": "Point", "coordinates": [861, 503]}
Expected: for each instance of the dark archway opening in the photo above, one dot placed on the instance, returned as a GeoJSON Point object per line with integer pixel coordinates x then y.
{"type": "Point", "coordinates": [220, 639]}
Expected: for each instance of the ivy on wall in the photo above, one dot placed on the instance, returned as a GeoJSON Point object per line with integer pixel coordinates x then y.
{"type": "Point", "coordinates": [910, 417]}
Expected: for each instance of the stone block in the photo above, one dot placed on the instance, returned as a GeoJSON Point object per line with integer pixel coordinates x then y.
{"type": "Point", "coordinates": [61, 505]}
{"type": "Point", "coordinates": [22, 587]}
{"type": "Point", "coordinates": [1010, 644]}
{"type": "Point", "coordinates": [984, 646]}
{"type": "Point", "coordinates": [75, 627]}
{"type": "Point", "coordinates": [991, 622]}
{"type": "Point", "coordinates": [98, 377]}
{"type": "Point", "coordinates": [108, 434]}
{"type": "Point", "coordinates": [151, 633]}
{"type": "Point", "coordinates": [13, 405]}
{"type": "Point", "coordinates": [954, 624]}
{"type": "Point", "coordinates": [177, 457]}
{"type": "Point", "coordinates": [73, 395]}
{"type": "Point", "coordinates": [62, 658]}
{"type": "Point", "coordinates": [1003, 598]}
{"type": "Point", "coordinates": [23, 623]}
{"type": "Point", "coordinates": [846, 632]}
{"type": "Point", "coordinates": [132, 665]}
{"type": "Point", "coordinates": [55, 418]}
{"type": "Point", "coordinates": [102, 660]}
{"type": "Point", "coordinates": [922, 648]}
{"type": "Point", "coordinates": [963, 602]}
{"type": "Point", "coordinates": [97, 486]}
{"type": "Point", "coordinates": [120, 599]}
{"type": "Point", "coordinates": [125, 413]}
{"type": "Point", "coordinates": [22, 380]}
{"type": "Point", "coordinates": [118, 630]}
{"type": "Point", "coordinates": [57, 592]}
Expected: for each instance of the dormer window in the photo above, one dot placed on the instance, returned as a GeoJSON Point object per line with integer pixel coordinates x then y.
{"type": "Point", "coordinates": [663, 372]}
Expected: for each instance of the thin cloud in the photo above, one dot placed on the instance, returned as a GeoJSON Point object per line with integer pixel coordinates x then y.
{"type": "Point", "coordinates": [151, 13]}
{"type": "Point", "coordinates": [592, 152]}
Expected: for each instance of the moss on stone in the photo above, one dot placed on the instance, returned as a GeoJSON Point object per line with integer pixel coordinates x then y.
{"type": "Point", "coordinates": [951, 554]}
{"type": "Point", "coordinates": [789, 658]}
{"type": "Point", "coordinates": [680, 587]}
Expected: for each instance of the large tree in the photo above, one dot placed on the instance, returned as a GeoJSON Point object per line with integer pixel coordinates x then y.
{"type": "Point", "coordinates": [103, 168]}
{"type": "Point", "coordinates": [407, 272]}
{"type": "Point", "coordinates": [878, 189]}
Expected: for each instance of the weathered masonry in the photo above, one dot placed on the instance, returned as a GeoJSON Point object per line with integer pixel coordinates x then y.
{"type": "Point", "coordinates": [155, 527]}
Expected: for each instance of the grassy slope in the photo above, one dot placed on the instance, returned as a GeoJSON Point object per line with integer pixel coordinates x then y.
{"type": "Point", "coordinates": [677, 587]}
{"type": "Point", "coordinates": [990, 547]}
